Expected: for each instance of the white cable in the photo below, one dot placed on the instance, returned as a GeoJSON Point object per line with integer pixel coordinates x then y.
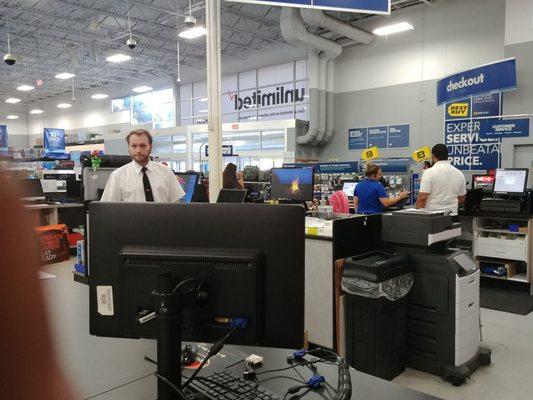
{"type": "Point", "coordinates": [128, 13]}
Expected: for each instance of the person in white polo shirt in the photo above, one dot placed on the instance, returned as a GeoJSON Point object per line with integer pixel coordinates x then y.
{"type": "Point", "coordinates": [142, 180]}
{"type": "Point", "coordinates": [442, 187]}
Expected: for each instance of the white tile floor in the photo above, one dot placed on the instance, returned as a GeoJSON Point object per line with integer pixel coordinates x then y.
{"type": "Point", "coordinates": [510, 376]}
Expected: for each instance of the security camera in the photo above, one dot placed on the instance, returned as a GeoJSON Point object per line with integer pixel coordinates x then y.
{"type": "Point", "coordinates": [10, 59]}
{"type": "Point", "coordinates": [190, 21]}
{"type": "Point", "coordinates": [178, 81]}
{"type": "Point", "coordinates": [132, 43]}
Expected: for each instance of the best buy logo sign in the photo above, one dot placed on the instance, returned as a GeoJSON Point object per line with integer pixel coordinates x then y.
{"type": "Point", "coordinates": [458, 109]}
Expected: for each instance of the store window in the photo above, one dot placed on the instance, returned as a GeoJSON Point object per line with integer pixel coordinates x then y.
{"type": "Point", "coordinates": [121, 104]}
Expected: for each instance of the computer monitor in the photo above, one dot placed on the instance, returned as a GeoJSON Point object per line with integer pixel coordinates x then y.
{"type": "Point", "coordinates": [292, 184]}
{"type": "Point", "coordinates": [231, 195]}
{"type": "Point", "coordinates": [241, 272]}
{"type": "Point", "coordinates": [188, 183]}
{"type": "Point", "coordinates": [73, 189]}
{"type": "Point", "coordinates": [511, 181]}
{"type": "Point", "coordinates": [348, 187]}
{"type": "Point", "coordinates": [30, 189]}
{"type": "Point", "coordinates": [107, 161]}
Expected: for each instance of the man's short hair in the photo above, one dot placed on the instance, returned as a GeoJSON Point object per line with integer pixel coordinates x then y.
{"type": "Point", "coordinates": [440, 151]}
{"type": "Point", "coordinates": [140, 132]}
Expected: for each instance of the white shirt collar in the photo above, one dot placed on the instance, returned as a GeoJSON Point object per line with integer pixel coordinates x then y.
{"type": "Point", "coordinates": [139, 167]}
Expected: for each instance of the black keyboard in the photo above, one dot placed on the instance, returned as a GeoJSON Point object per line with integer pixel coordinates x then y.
{"type": "Point", "coordinates": [224, 386]}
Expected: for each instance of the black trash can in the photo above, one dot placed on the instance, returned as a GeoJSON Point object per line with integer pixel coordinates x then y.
{"type": "Point", "coordinates": [375, 286]}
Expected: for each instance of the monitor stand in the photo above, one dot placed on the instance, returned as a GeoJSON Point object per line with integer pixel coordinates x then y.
{"type": "Point", "coordinates": [168, 311]}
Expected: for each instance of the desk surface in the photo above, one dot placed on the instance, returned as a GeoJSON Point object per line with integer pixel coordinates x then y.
{"type": "Point", "coordinates": [112, 369]}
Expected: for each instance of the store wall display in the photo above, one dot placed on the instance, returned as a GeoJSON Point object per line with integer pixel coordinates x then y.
{"type": "Point", "coordinates": [498, 76]}
{"type": "Point", "coordinates": [360, 6]}
{"type": "Point", "coordinates": [497, 128]}
{"type": "Point", "coordinates": [383, 137]}
{"type": "Point", "coordinates": [54, 140]}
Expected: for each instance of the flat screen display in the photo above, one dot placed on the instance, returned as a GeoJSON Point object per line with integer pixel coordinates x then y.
{"type": "Point", "coordinates": [349, 188]}
{"type": "Point", "coordinates": [188, 183]}
{"type": "Point", "coordinates": [510, 181]}
{"type": "Point", "coordinates": [30, 189]}
{"type": "Point", "coordinates": [292, 183]}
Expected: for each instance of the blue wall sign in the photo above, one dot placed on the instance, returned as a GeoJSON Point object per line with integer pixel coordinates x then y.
{"type": "Point", "coordinates": [227, 150]}
{"type": "Point", "coordinates": [486, 105]}
{"type": "Point", "coordinates": [495, 77]}
{"type": "Point", "coordinates": [496, 128]}
{"type": "Point", "coordinates": [377, 136]}
{"type": "Point", "coordinates": [337, 167]}
{"type": "Point", "coordinates": [357, 138]}
{"type": "Point", "coordinates": [359, 6]}
{"type": "Point", "coordinates": [3, 136]}
{"type": "Point", "coordinates": [398, 136]}
{"type": "Point", "coordinates": [54, 140]}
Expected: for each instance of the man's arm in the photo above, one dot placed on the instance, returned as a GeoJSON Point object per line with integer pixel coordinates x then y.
{"type": "Point", "coordinates": [112, 191]}
{"type": "Point", "coordinates": [355, 204]}
{"type": "Point", "coordinates": [461, 199]}
{"type": "Point", "coordinates": [392, 201]}
{"type": "Point", "coordinates": [421, 200]}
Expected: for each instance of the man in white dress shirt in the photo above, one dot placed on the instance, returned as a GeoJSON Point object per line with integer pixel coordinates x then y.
{"type": "Point", "coordinates": [442, 187]}
{"type": "Point", "coordinates": [142, 180]}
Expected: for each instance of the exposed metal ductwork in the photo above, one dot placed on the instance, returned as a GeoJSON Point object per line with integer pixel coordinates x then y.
{"type": "Point", "coordinates": [321, 70]}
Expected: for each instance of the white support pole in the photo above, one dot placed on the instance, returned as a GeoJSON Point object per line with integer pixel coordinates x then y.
{"type": "Point", "coordinates": [214, 123]}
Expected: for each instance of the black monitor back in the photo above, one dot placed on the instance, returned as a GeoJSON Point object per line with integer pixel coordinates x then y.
{"type": "Point", "coordinates": [276, 232]}
{"type": "Point", "coordinates": [231, 195]}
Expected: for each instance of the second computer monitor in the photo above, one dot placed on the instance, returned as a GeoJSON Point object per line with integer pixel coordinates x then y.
{"type": "Point", "coordinates": [511, 181]}
{"type": "Point", "coordinates": [348, 187]}
{"type": "Point", "coordinates": [292, 184]}
{"type": "Point", "coordinates": [188, 183]}
{"type": "Point", "coordinates": [31, 189]}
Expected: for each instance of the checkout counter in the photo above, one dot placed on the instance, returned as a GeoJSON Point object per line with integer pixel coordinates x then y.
{"type": "Point", "coordinates": [329, 240]}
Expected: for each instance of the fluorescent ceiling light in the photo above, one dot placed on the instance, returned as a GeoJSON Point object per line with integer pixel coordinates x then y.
{"type": "Point", "coordinates": [12, 100]}
{"type": "Point", "coordinates": [119, 57]}
{"type": "Point", "coordinates": [12, 116]}
{"type": "Point", "coordinates": [99, 96]}
{"type": "Point", "coordinates": [203, 99]}
{"type": "Point", "coordinates": [25, 88]}
{"type": "Point", "coordinates": [65, 75]}
{"type": "Point", "coordinates": [202, 111]}
{"type": "Point", "coordinates": [64, 105]}
{"type": "Point", "coordinates": [36, 111]}
{"type": "Point", "coordinates": [193, 33]}
{"type": "Point", "coordinates": [395, 28]}
{"type": "Point", "coordinates": [142, 89]}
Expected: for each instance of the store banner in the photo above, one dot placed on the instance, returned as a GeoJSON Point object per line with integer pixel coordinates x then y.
{"type": "Point", "coordinates": [54, 140]}
{"type": "Point", "coordinates": [3, 136]}
{"type": "Point", "coordinates": [377, 137]}
{"type": "Point", "coordinates": [398, 136]}
{"type": "Point", "coordinates": [496, 128]}
{"type": "Point", "coordinates": [337, 168]}
{"type": "Point", "coordinates": [486, 105]}
{"type": "Point", "coordinates": [357, 138]}
{"type": "Point", "coordinates": [358, 6]}
{"type": "Point", "coordinates": [495, 77]}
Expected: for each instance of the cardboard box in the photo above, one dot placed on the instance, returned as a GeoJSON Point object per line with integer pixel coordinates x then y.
{"type": "Point", "coordinates": [54, 243]}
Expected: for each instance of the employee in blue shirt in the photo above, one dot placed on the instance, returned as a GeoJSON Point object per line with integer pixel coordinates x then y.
{"type": "Point", "coordinates": [370, 196]}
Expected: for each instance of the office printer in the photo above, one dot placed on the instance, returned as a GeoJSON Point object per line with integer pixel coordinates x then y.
{"type": "Point", "coordinates": [443, 333]}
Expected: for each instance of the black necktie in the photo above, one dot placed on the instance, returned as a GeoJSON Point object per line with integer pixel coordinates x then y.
{"type": "Point", "coordinates": [147, 187]}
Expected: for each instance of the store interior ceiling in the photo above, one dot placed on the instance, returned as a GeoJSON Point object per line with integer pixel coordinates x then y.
{"type": "Point", "coordinates": [76, 36]}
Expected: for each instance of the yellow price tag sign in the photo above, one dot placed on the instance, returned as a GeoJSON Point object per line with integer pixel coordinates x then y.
{"type": "Point", "coordinates": [423, 153]}
{"type": "Point", "coordinates": [370, 154]}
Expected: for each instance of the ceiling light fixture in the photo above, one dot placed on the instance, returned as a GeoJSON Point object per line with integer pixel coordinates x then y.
{"type": "Point", "coordinates": [142, 89]}
{"type": "Point", "coordinates": [12, 117]}
{"type": "Point", "coordinates": [203, 99]}
{"type": "Point", "coordinates": [193, 33]}
{"type": "Point", "coordinates": [25, 88]}
{"type": "Point", "coordinates": [99, 96]}
{"type": "Point", "coordinates": [395, 28]}
{"type": "Point", "coordinates": [36, 111]}
{"type": "Point", "coordinates": [65, 75]}
{"type": "Point", "coordinates": [119, 57]}
{"type": "Point", "coordinates": [131, 42]}
{"type": "Point", "coordinates": [64, 105]}
{"type": "Point", "coordinates": [12, 100]}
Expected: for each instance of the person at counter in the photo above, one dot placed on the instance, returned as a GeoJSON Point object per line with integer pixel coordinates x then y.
{"type": "Point", "coordinates": [442, 187]}
{"type": "Point", "coordinates": [370, 196]}
{"type": "Point", "coordinates": [231, 179]}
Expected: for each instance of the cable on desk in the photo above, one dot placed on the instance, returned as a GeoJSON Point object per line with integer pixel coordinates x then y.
{"type": "Point", "coordinates": [180, 394]}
